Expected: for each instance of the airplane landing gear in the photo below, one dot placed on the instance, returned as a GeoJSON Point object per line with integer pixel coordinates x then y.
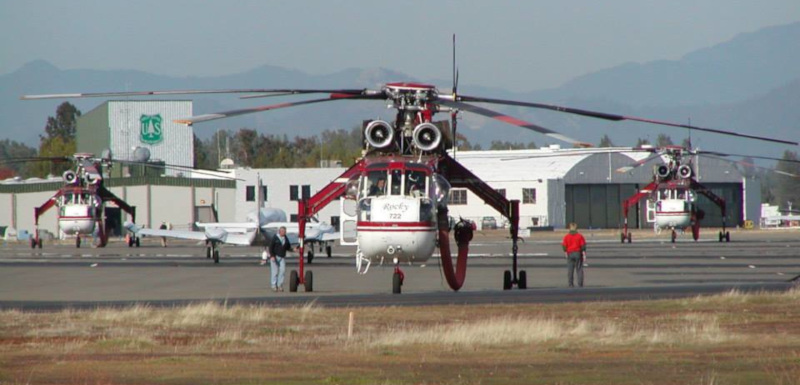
{"type": "Point", "coordinates": [310, 255]}
{"type": "Point", "coordinates": [328, 251]}
{"type": "Point", "coordinates": [212, 251]}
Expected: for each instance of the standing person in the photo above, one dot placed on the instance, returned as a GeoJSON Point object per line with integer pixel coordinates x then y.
{"type": "Point", "coordinates": [574, 246]}
{"type": "Point", "coordinates": [163, 239]}
{"type": "Point", "coordinates": [277, 260]}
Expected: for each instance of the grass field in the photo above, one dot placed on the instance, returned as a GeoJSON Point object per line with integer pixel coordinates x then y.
{"type": "Point", "coordinates": [725, 339]}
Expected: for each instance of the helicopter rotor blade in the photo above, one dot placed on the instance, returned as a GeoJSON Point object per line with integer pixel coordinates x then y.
{"type": "Point", "coordinates": [244, 111]}
{"type": "Point", "coordinates": [266, 91]}
{"type": "Point", "coordinates": [639, 163]}
{"type": "Point", "coordinates": [614, 117]}
{"type": "Point", "coordinates": [748, 156]}
{"type": "Point", "coordinates": [514, 121]}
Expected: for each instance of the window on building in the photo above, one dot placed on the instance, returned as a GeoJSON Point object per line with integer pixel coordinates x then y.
{"type": "Point", "coordinates": [295, 192]}
{"type": "Point", "coordinates": [250, 193]}
{"type": "Point", "coordinates": [529, 195]}
{"type": "Point", "coordinates": [293, 218]}
{"type": "Point", "coordinates": [458, 197]}
{"type": "Point", "coordinates": [502, 192]}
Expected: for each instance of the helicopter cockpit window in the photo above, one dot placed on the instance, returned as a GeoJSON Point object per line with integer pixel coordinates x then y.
{"type": "Point", "coordinates": [415, 183]}
{"type": "Point", "coordinates": [376, 183]}
{"type": "Point", "coordinates": [397, 180]}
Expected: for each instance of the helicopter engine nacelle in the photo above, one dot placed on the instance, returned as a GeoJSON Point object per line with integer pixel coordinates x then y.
{"type": "Point", "coordinates": [662, 171]}
{"type": "Point", "coordinates": [92, 178]}
{"type": "Point", "coordinates": [427, 136]}
{"type": "Point", "coordinates": [379, 134]}
{"type": "Point", "coordinates": [685, 171]}
{"type": "Point", "coordinates": [69, 176]}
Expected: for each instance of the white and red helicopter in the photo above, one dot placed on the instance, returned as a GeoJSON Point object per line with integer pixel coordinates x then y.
{"type": "Point", "coordinates": [673, 192]}
{"type": "Point", "coordinates": [405, 220]}
{"type": "Point", "coordinates": [81, 201]}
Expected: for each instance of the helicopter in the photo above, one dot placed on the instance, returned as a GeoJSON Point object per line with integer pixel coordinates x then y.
{"type": "Point", "coordinates": [81, 201]}
{"type": "Point", "coordinates": [404, 220]}
{"type": "Point", "coordinates": [672, 194]}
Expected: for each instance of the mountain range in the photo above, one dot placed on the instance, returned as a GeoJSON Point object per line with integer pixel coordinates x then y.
{"type": "Point", "coordinates": [748, 84]}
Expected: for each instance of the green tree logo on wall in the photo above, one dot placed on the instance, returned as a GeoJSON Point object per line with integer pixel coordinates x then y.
{"type": "Point", "coordinates": [150, 131]}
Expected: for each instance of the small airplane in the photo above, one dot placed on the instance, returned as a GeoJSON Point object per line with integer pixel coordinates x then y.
{"type": "Point", "coordinates": [257, 230]}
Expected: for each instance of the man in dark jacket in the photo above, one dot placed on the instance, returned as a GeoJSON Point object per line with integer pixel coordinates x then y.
{"type": "Point", "coordinates": [574, 246]}
{"type": "Point", "coordinates": [277, 260]}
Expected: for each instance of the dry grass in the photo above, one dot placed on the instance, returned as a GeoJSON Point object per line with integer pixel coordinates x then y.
{"type": "Point", "coordinates": [729, 338]}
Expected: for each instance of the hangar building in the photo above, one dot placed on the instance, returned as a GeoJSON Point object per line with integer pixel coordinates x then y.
{"type": "Point", "coordinates": [556, 186]}
{"type": "Point", "coordinates": [124, 125]}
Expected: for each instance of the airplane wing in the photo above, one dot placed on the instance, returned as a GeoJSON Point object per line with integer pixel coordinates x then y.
{"type": "Point", "coordinates": [234, 235]}
{"type": "Point", "coordinates": [315, 232]}
{"type": "Point", "coordinates": [195, 235]}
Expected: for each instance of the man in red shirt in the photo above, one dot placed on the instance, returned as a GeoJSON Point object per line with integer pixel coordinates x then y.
{"type": "Point", "coordinates": [574, 246]}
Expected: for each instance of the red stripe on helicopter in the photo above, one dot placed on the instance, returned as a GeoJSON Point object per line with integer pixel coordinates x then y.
{"type": "Point", "coordinates": [395, 224]}
{"type": "Point", "coordinates": [63, 217]}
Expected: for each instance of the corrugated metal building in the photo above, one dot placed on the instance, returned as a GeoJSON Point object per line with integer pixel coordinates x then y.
{"type": "Point", "coordinates": [123, 125]}
{"type": "Point", "coordinates": [556, 186]}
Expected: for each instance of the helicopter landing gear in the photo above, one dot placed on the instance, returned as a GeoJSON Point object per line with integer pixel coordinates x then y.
{"type": "Point", "coordinates": [294, 281]}
{"type": "Point", "coordinates": [397, 279]}
{"type": "Point", "coordinates": [726, 236]}
{"type": "Point", "coordinates": [623, 238]}
{"type": "Point", "coordinates": [36, 243]}
{"type": "Point", "coordinates": [133, 241]}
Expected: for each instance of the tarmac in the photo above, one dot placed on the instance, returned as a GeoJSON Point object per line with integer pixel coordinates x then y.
{"type": "Point", "coordinates": [59, 275]}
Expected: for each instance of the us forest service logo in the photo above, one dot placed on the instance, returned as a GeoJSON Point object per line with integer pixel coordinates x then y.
{"type": "Point", "coordinates": [150, 131]}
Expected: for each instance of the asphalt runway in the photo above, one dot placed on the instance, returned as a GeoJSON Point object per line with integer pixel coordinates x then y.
{"type": "Point", "coordinates": [59, 275]}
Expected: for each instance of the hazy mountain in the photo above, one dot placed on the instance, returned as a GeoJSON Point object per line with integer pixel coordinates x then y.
{"type": "Point", "coordinates": [748, 84]}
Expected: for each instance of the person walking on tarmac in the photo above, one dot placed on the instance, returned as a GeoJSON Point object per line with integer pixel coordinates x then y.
{"type": "Point", "coordinates": [574, 246]}
{"type": "Point", "coordinates": [277, 254]}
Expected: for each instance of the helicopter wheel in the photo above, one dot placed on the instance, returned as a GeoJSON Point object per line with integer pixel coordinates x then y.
{"type": "Point", "coordinates": [309, 282]}
{"type": "Point", "coordinates": [727, 237]}
{"type": "Point", "coordinates": [130, 241]}
{"type": "Point", "coordinates": [33, 243]}
{"type": "Point", "coordinates": [137, 242]}
{"type": "Point", "coordinates": [397, 283]}
{"type": "Point", "coordinates": [630, 236]}
{"type": "Point", "coordinates": [523, 280]}
{"type": "Point", "coordinates": [78, 241]}
{"type": "Point", "coordinates": [328, 251]}
{"type": "Point", "coordinates": [310, 255]}
{"type": "Point", "coordinates": [507, 280]}
{"type": "Point", "coordinates": [622, 237]}
{"type": "Point", "coordinates": [721, 236]}
{"type": "Point", "coordinates": [293, 281]}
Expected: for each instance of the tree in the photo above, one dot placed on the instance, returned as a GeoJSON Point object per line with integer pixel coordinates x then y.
{"type": "Point", "coordinates": [10, 150]}
{"type": "Point", "coordinates": [605, 141]}
{"type": "Point", "coordinates": [663, 140]}
{"type": "Point", "coordinates": [59, 140]}
{"type": "Point", "coordinates": [641, 142]}
{"type": "Point", "coordinates": [787, 188]}
{"type": "Point", "coordinates": [64, 124]}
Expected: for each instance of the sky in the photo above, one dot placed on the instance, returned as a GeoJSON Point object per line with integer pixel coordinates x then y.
{"type": "Point", "coordinates": [517, 45]}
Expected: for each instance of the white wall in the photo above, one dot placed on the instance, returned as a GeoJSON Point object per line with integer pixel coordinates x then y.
{"type": "Point", "coordinates": [278, 181]}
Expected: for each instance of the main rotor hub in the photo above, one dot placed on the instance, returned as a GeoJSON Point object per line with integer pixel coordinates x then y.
{"type": "Point", "coordinates": [410, 96]}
